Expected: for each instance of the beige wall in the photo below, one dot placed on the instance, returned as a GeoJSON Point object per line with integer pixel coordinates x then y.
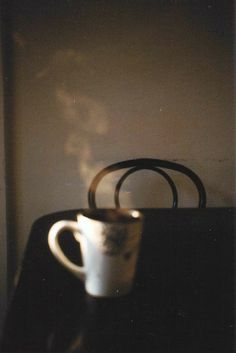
{"type": "Point", "coordinates": [99, 82]}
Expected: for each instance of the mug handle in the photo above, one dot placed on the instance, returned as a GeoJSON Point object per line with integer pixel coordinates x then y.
{"type": "Point", "coordinates": [53, 236]}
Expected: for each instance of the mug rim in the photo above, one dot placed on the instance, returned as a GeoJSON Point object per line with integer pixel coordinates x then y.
{"type": "Point", "coordinates": [112, 215]}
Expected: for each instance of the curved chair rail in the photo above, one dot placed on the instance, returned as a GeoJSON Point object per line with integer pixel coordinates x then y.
{"type": "Point", "coordinates": [149, 164]}
{"type": "Point", "coordinates": [155, 169]}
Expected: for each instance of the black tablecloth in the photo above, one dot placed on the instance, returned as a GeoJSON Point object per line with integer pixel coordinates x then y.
{"type": "Point", "coordinates": [182, 300]}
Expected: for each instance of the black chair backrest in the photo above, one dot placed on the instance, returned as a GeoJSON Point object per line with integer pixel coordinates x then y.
{"type": "Point", "coordinates": [156, 165]}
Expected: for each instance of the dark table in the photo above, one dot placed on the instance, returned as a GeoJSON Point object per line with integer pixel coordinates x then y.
{"type": "Point", "coordinates": [182, 300]}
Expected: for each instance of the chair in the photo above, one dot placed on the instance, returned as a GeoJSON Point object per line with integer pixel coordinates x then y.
{"type": "Point", "coordinates": [156, 165]}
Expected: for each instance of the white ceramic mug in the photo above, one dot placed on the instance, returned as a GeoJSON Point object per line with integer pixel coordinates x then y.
{"type": "Point", "coordinates": [109, 242]}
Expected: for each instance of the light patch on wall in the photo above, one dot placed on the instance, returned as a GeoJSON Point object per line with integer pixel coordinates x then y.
{"type": "Point", "coordinates": [87, 116]}
{"type": "Point", "coordinates": [61, 58]}
{"type": "Point", "coordinates": [19, 39]}
{"type": "Point", "coordinates": [91, 115]}
{"type": "Point", "coordinates": [89, 122]}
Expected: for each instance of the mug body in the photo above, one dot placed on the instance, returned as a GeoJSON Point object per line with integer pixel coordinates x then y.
{"type": "Point", "coordinates": [109, 241]}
